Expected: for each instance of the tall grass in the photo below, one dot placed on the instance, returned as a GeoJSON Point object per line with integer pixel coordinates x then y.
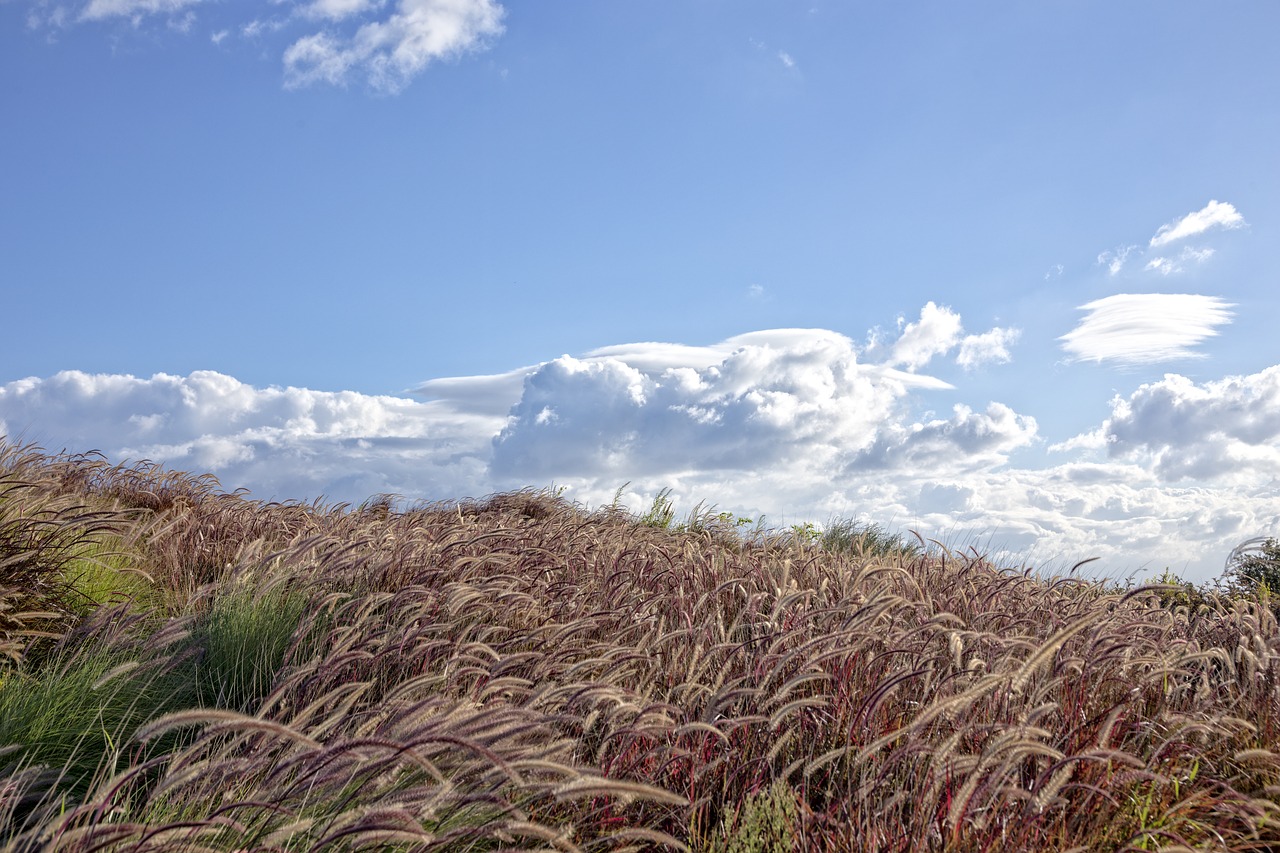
{"type": "Point", "coordinates": [520, 673]}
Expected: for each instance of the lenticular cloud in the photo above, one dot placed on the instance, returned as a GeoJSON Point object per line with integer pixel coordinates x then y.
{"type": "Point", "coordinates": [1145, 328]}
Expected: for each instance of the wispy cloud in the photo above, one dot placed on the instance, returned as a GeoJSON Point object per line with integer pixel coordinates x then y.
{"type": "Point", "coordinates": [387, 43]}
{"type": "Point", "coordinates": [1216, 214]}
{"type": "Point", "coordinates": [1145, 328]}
{"type": "Point", "coordinates": [393, 51]}
{"type": "Point", "coordinates": [97, 10]}
{"type": "Point", "coordinates": [1115, 259]}
{"type": "Point", "coordinates": [1168, 266]}
{"type": "Point", "coordinates": [336, 10]}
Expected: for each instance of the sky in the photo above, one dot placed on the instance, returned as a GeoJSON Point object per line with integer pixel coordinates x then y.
{"type": "Point", "coordinates": [1001, 273]}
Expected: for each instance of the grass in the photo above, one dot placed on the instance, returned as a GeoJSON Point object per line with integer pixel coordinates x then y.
{"type": "Point", "coordinates": [185, 669]}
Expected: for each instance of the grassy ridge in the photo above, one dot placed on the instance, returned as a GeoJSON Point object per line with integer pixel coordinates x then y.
{"type": "Point", "coordinates": [182, 669]}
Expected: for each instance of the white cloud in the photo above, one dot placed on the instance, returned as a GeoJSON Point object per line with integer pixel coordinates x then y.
{"type": "Point", "coordinates": [1216, 214]}
{"type": "Point", "coordinates": [1145, 328]}
{"type": "Point", "coordinates": [336, 10]}
{"type": "Point", "coordinates": [387, 44]}
{"type": "Point", "coordinates": [393, 51]}
{"type": "Point", "coordinates": [1115, 260]}
{"type": "Point", "coordinates": [786, 59]}
{"type": "Point", "coordinates": [1222, 431]}
{"type": "Point", "coordinates": [965, 441]}
{"type": "Point", "coordinates": [282, 442]}
{"type": "Point", "coordinates": [992, 346]}
{"type": "Point", "coordinates": [789, 423]}
{"type": "Point", "coordinates": [937, 331]}
{"type": "Point", "coordinates": [793, 397]}
{"type": "Point", "coordinates": [1166, 266]}
{"type": "Point", "coordinates": [98, 10]}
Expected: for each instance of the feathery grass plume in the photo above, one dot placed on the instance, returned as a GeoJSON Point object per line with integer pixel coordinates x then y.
{"type": "Point", "coordinates": [518, 671]}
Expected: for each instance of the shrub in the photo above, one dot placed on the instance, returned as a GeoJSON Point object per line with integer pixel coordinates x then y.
{"type": "Point", "coordinates": [1254, 568]}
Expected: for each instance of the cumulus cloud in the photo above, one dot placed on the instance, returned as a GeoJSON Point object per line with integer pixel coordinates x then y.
{"type": "Point", "coordinates": [939, 331]}
{"type": "Point", "coordinates": [1226, 430]}
{"type": "Point", "coordinates": [988, 347]}
{"type": "Point", "coordinates": [967, 440]}
{"type": "Point", "coordinates": [784, 397]}
{"type": "Point", "coordinates": [1145, 328]}
{"type": "Point", "coordinates": [1216, 214]}
{"type": "Point", "coordinates": [391, 52]}
{"type": "Point", "coordinates": [793, 424]}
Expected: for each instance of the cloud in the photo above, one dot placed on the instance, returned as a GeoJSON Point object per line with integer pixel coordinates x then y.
{"type": "Point", "coordinates": [1216, 214]}
{"type": "Point", "coordinates": [393, 51]}
{"type": "Point", "coordinates": [1221, 431]}
{"type": "Point", "coordinates": [286, 442]}
{"type": "Point", "coordinates": [794, 424]}
{"type": "Point", "coordinates": [98, 10]}
{"type": "Point", "coordinates": [336, 10]}
{"type": "Point", "coordinates": [1166, 266]}
{"type": "Point", "coordinates": [786, 59]}
{"type": "Point", "coordinates": [967, 440]}
{"type": "Point", "coordinates": [1145, 328]}
{"type": "Point", "coordinates": [385, 43]}
{"type": "Point", "coordinates": [939, 331]}
{"type": "Point", "coordinates": [783, 397]}
{"type": "Point", "coordinates": [1115, 260]}
{"type": "Point", "coordinates": [989, 347]}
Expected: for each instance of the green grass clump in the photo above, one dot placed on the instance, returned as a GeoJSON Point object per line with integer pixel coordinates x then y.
{"type": "Point", "coordinates": [241, 642]}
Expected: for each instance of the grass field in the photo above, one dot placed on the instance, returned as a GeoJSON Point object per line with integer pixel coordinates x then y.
{"type": "Point", "coordinates": [186, 669]}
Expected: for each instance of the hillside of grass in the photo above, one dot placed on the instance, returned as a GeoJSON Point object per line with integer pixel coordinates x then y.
{"type": "Point", "coordinates": [184, 669]}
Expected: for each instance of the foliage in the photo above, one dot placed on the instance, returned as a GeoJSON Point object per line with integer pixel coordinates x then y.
{"type": "Point", "coordinates": [1254, 569]}
{"type": "Point", "coordinates": [521, 673]}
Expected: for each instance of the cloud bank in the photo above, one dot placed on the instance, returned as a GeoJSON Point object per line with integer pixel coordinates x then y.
{"type": "Point", "coordinates": [792, 424]}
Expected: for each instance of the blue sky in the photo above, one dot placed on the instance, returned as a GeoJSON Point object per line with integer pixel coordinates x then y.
{"type": "Point", "coordinates": [445, 247]}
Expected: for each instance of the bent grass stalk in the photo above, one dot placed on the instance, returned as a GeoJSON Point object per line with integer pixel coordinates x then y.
{"type": "Point", "coordinates": [520, 672]}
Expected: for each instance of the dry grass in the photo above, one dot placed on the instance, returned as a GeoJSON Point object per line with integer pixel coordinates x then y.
{"type": "Point", "coordinates": [519, 673]}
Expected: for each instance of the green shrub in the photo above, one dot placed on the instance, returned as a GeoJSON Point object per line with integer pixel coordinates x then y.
{"type": "Point", "coordinates": [1253, 569]}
